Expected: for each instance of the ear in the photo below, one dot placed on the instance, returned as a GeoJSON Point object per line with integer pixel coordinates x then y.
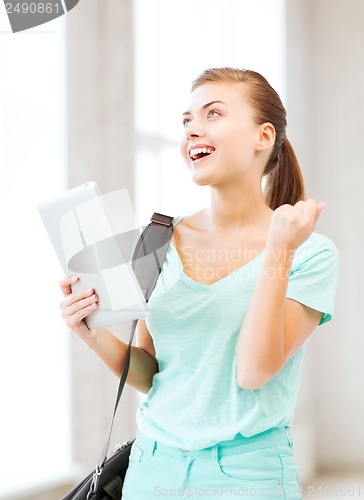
{"type": "Point", "coordinates": [266, 136]}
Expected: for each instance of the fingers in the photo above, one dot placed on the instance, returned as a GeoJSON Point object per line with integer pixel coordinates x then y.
{"type": "Point", "coordinates": [79, 299]}
{"type": "Point", "coordinates": [77, 306]}
{"type": "Point", "coordinates": [310, 210]}
{"type": "Point", "coordinates": [320, 207]}
{"type": "Point", "coordinates": [79, 309]}
{"type": "Point", "coordinates": [65, 284]}
{"type": "Point", "coordinates": [291, 225]}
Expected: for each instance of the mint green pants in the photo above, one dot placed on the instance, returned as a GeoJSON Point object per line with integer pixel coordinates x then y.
{"type": "Point", "coordinates": [262, 466]}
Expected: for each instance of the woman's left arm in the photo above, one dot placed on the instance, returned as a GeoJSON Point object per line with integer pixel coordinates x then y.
{"type": "Point", "coordinates": [274, 327]}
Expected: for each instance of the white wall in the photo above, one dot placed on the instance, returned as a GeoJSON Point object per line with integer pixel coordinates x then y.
{"type": "Point", "coordinates": [325, 82]}
{"type": "Point", "coordinates": [101, 148]}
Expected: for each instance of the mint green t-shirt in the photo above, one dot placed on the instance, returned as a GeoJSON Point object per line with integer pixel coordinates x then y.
{"type": "Point", "coordinates": [195, 400]}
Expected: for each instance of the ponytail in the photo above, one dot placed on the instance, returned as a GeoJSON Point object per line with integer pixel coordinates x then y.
{"type": "Point", "coordinates": [284, 182]}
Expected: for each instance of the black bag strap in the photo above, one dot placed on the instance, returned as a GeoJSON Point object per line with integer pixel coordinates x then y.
{"type": "Point", "coordinates": [148, 258]}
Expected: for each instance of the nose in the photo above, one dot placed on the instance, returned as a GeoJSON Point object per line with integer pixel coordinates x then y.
{"type": "Point", "coordinates": [194, 129]}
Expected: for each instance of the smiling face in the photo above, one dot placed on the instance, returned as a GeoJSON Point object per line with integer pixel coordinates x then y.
{"type": "Point", "coordinates": [221, 139]}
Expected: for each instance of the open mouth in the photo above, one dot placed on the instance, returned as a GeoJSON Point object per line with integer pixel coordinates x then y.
{"type": "Point", "coordinates": [198, 153]}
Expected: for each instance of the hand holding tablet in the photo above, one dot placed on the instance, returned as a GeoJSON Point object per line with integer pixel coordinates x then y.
{"type": "Point", "coordinates": [88, 245]}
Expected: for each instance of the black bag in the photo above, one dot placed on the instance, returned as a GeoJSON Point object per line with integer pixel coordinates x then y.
{"type": "Point", "coordinates": [106, 482]}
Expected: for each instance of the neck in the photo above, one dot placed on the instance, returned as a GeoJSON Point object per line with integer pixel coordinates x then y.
{"type": "Point", "coordinates": [237, 207]}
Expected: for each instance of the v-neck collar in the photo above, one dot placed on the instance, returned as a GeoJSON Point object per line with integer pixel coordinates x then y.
{"type": "Point", "coordinates": [203, 286]}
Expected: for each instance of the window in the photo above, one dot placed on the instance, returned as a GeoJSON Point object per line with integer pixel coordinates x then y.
{"type": "Point", "coordinates": [34, 347]}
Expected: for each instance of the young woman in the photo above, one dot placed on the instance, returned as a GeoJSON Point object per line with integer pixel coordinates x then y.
{"type": "Point", "coordinates": [244, 284]}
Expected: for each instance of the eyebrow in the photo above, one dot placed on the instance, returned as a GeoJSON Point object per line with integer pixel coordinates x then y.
{"type": "Point", "coordinates": [205, 106]}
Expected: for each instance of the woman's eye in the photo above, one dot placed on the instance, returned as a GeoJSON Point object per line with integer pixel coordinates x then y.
{"type": "Point", "coordinates": [212, 112]}
{"type": "Point", "coordinates": [186, 122]}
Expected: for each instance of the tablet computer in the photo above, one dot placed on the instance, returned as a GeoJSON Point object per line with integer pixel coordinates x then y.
{"type": "Point", "coordinates": [88, 244]}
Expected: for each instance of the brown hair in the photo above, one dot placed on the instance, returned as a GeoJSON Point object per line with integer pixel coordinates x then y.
{"type": "Point", "coordinates": [284, 183]}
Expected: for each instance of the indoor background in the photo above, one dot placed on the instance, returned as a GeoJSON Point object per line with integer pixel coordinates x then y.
{"type": "Point", "coordinates": [97, 95]}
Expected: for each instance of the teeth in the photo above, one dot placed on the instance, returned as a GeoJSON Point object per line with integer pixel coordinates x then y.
{"type": "Point", "coordinates": [197, 151]}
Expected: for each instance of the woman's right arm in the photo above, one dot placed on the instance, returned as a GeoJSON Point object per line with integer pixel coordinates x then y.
{"type": "Point", "coordinates": [76, 306]}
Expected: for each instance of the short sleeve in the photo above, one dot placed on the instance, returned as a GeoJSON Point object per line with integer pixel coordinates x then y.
{"type": "Point", "coordinates": [314, 275]}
